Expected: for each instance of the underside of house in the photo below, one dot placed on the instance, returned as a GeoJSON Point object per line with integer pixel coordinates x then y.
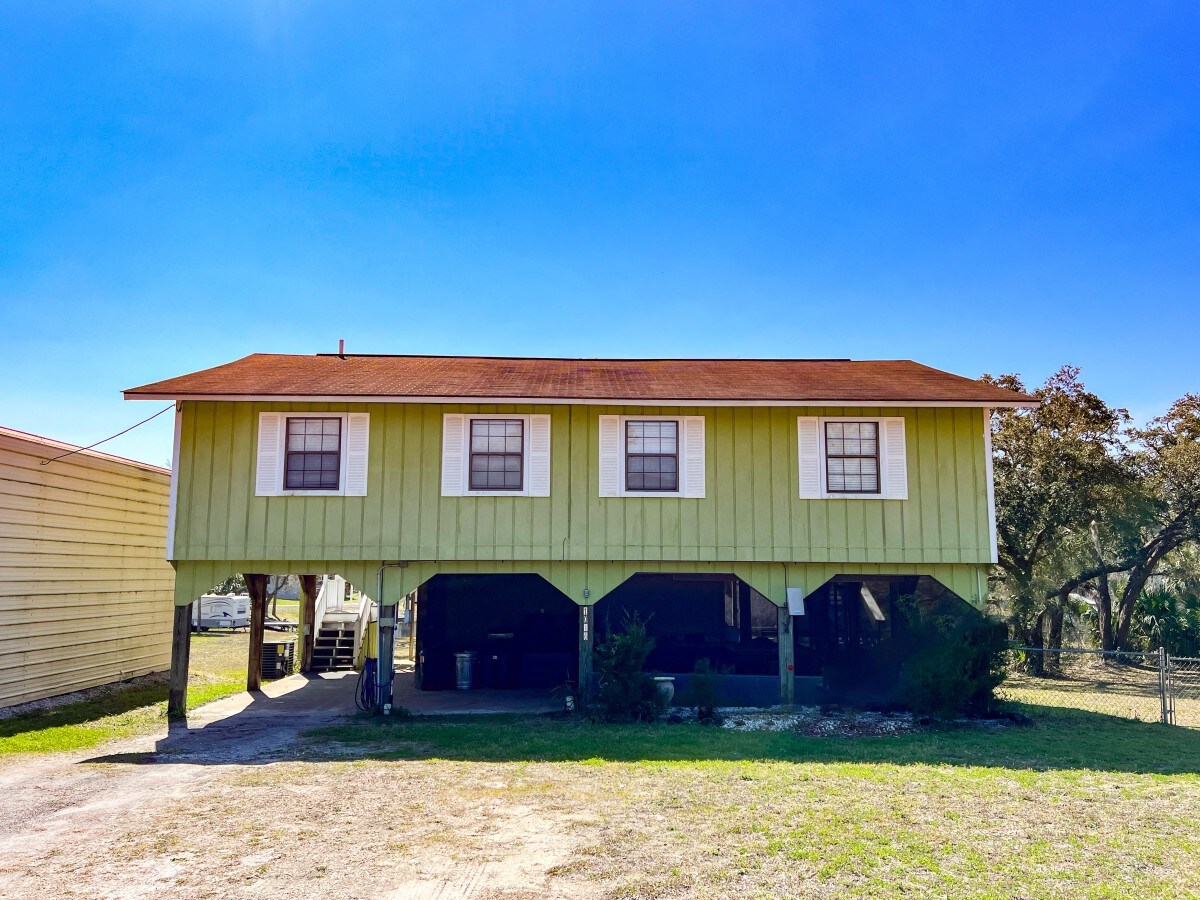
{"type": "Point", "coordinates": [523, 631]}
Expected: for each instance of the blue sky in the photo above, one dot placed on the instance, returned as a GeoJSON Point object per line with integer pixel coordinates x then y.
{"type": "Point", "coordinates": [981, 187]}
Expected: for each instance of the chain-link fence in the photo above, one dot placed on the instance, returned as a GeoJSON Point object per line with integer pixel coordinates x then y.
{"type": "Point", "coordinates": [1149, 687]}
{"type": "Point", "coordinates": [1111, 683]}
{"type": "Point", "coordinates": [1183, 690]}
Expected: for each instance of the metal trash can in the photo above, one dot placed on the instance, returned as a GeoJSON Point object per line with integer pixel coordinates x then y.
{"type": "Point", "coordinates": [466, 670]}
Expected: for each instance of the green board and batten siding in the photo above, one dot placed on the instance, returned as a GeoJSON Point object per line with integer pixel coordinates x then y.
{"type": "Point", "coordinates": [751, 512]}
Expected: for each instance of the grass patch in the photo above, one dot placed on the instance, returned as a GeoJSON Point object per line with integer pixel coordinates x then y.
{"type": "Point", "coordinates": [1058, 739]}
{"type": "Point", "coordinates": [218, 669]}
{"type": "Point", "coordinates": [1075, 805]}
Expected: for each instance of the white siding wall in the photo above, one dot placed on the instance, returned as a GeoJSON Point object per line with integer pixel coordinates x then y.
{"type": "Point", "coordinates": [85, 590]}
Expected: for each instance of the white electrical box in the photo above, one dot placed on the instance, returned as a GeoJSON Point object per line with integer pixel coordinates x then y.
{"type": "Point", "coordinates": [795, 600]}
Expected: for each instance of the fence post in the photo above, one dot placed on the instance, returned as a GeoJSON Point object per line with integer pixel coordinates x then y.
{"type": "Point", "coordinates": [1164, 686]}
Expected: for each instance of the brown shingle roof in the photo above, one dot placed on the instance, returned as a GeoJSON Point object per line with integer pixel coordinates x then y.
{"type": "Point", "coordinates": [651, 380]}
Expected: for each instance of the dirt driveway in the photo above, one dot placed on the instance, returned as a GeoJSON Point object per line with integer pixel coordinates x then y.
{"type": "Point", "coordinates": [236, 803]}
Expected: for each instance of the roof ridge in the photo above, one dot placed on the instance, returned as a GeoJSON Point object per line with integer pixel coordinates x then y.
{"type": "Point", "coordinates": [585, 358]}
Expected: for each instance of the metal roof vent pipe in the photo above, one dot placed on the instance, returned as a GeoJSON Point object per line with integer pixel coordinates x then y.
{"type": "Point", "coordinates": [342, 348]}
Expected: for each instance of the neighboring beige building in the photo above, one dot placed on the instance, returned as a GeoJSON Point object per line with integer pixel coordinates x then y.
{"type": "Point", "coordinates": [85, 588]}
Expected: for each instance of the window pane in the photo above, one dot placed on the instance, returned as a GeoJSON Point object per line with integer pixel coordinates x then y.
{"type": "Point", "coordinates": [497, 446]}
{"type": "Point", "coordinates": [852, 457]}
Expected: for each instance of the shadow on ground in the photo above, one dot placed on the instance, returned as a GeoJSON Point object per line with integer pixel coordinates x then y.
{"type": "Point", "coordinates": [314, 721]}
{"type": "Point", "coordinates": [82, 712]}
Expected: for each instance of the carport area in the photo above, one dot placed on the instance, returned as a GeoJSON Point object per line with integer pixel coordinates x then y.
{"type": "Point", "coordinates": [316, 700]}
{"type": "Point", "coordinates": [511, 633]}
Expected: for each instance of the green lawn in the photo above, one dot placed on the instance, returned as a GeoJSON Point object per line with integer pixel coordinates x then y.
{"type": "Point", "coordinates": [218, 669]}
{"type": "Point", "coordinates": [1076, 805]}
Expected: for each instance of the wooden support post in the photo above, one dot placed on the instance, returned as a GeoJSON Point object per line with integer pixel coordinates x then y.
{"type": "Point", "coordinates": [256, 587]}
{"type": "Point", "coordinates": [787, 659]}
{"type": "Point", "coordinates": [181, 652]}
{"type": "Point", "coordinates": [586, 635]}
{"type": "Point", "coordinates": [308, 625]}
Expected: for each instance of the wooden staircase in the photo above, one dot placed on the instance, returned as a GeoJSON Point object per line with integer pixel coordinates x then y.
{"type": "Point", "coordinates": [333, 648]}
{"type": "Point", "coordinates": [341, 622]}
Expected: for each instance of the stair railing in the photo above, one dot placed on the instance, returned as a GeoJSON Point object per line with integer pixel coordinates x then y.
{"type": "Point", "coordinates": [319, 608]}
{"type": "Point", "coordinates": [362, 623]}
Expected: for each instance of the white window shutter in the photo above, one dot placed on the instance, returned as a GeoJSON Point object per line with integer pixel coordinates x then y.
{"type": "Point", "coordinates": [895, 459]}
{"type": "Point", "coordinates": [810, 457]}
{"type": "Point", "coordinates": [358, 433]}
{"type": "Point", "coordinates": [539, 456]}
{"type": "Point", "coordinates": [610, 456]}
{"type": "Point", "coordinates": [268, 479]}
{"type": "Point", "coordinates": [453, 454]}
{"type": "Point", "coordinates": [693, 456]}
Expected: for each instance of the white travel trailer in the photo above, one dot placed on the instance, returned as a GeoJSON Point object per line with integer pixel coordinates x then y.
{"type": "Point", "coordinates": [221, 611]}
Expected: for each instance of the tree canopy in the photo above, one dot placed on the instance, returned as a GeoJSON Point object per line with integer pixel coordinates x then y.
{"type": "Point", "coordinates": [1090, 511]}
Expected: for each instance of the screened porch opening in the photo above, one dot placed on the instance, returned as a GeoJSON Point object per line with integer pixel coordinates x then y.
{"type": "Point", "coordinates": [853, 633]}
{"type": "Point", "coordinates": [523, 631]}
{"type": "Point", "coordinates": [701, 616]}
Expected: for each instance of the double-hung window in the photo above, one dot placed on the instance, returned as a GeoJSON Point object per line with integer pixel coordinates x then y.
{"type": "Point", "coordinates": [852, 457]}
{"type": "Point", "coordinates": [313, 454]}
{"type": "Point", "coordinates": [848, 457]}
{"type": "Point", "coordinates": [497, 455]}
{"type": "Point", "coordinates": [652, 455]}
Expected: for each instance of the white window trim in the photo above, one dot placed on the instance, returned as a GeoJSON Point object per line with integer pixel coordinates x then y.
{"type": "Point", "coordinates": [679, 455]}
{"type": "Point", "coordinates": [343, 455]}
{"type": "Point", "coordinates": [881, 437]}
{"type": "Point", "coordinates": [468, 418]}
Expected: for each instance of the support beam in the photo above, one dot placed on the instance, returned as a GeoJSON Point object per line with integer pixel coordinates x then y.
{"type": "Point", "coordinates": [386, 663]}
{"type": "Point", "coordinates": [787, 659]}
{"type": "Point", "coordinates": [181, 652]}
{"type": "Point", "coordinates": [256, 587]}
{"type": "Point", "coordinates": [308, 625]}
{"type": "Point", "coordinates": [586, 634]}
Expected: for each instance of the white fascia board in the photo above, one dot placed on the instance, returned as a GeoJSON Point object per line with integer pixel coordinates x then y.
{"type": "Point", "coordinates": [173, 501]}
{"type": "Point", "coordinates": [581, 401]}
{"type": "Point", "coordinates": [993, 540]}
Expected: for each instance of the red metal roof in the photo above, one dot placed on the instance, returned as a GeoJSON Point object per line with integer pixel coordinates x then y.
{"type": "Point", "coordinates": [644, 380]}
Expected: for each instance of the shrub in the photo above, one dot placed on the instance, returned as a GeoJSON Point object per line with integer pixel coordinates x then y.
{"type": "Point", "coordinates": [955, 667]}
{"type": "Point", "coordinates": [627, 692]}
{"type": "Point", "coordinates": [704, 691]}
{"type": "Point", "coordinates": [944, 662]}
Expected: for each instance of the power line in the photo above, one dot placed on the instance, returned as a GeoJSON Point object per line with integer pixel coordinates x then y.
{"type": "Point", "coordinates": [46, 462]}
